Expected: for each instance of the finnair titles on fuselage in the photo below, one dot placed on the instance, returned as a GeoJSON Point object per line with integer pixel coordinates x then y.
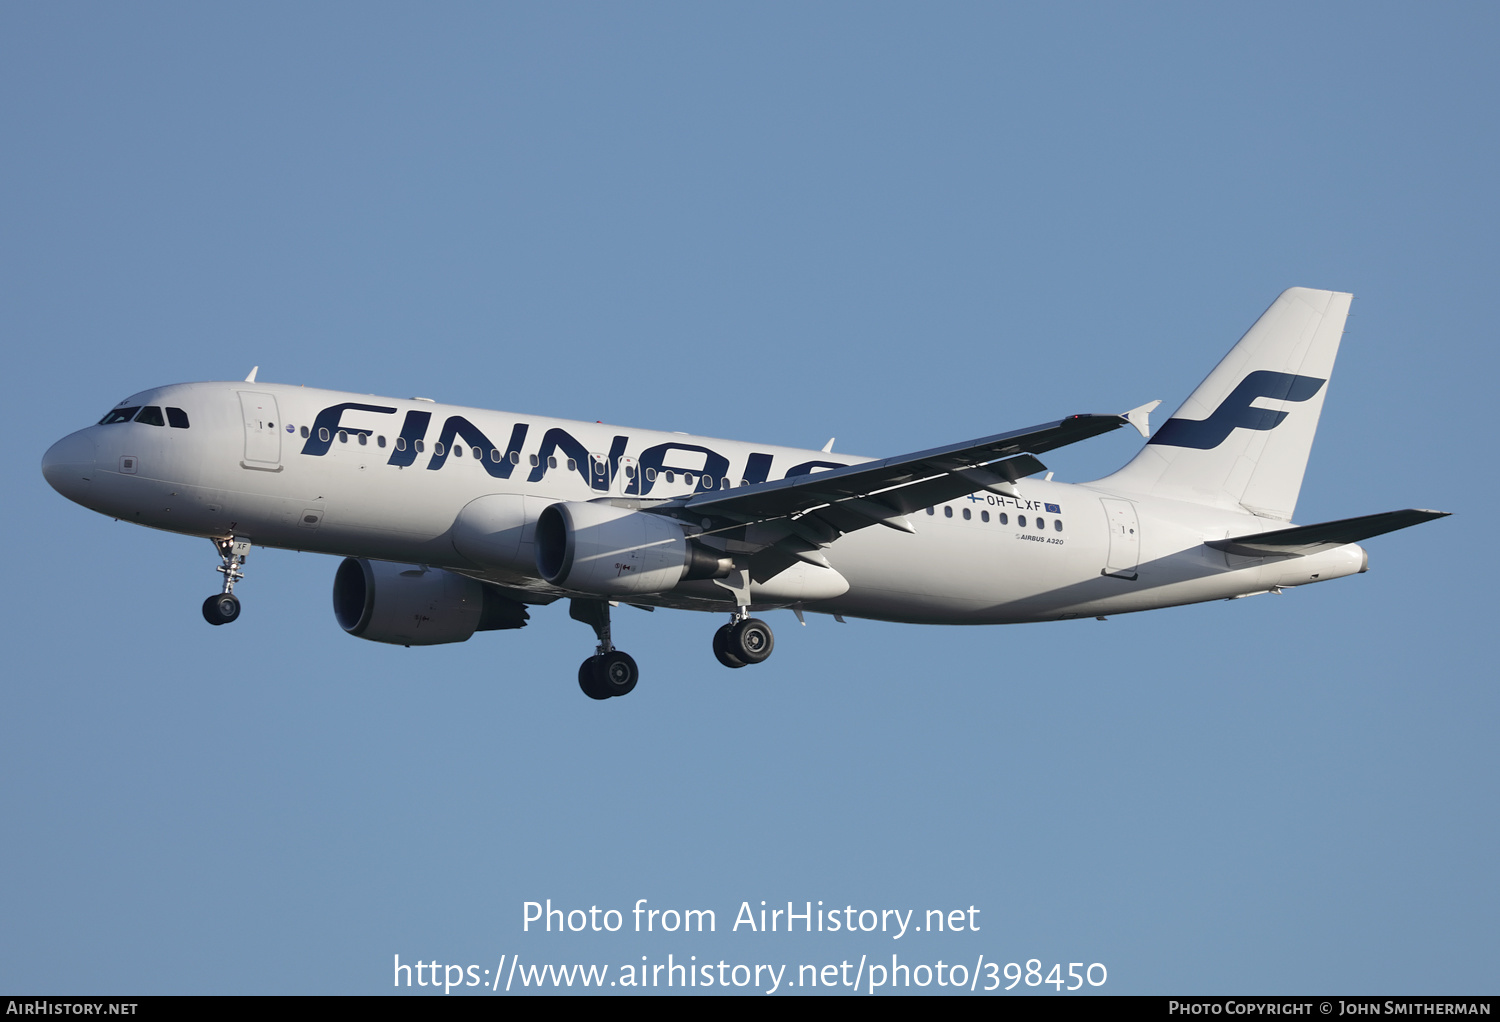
{"type": "Point", "coordinates": [454, 520]}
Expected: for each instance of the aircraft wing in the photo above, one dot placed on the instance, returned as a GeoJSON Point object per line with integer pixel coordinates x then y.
{"type": "Point", "coordinates": [885, 491]}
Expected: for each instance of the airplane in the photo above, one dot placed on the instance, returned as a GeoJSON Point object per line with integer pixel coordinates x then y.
{"type": "Point", "coordinates": [454, 520]}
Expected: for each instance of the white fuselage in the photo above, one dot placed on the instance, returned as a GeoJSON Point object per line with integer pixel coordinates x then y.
{"type": "Point", "coordinates": [388, 483]}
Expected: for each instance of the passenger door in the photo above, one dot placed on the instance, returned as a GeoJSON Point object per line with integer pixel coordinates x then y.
{"type": "Point", "coordinates": [262, 441]}
{"type": "Point", "coordinates": [1124, 538]}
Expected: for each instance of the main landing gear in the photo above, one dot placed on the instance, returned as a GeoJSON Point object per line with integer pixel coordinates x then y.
{"type": "Point", "coordinates": [224, 607]}
{"type": "Point", "coordinates": [745, 640]}
{"type": "Point", "coordinates": [608, 672]}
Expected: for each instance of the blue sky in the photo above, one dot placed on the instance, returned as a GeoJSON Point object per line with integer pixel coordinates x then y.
{"type": "Point", "coordinates": [900, 225]}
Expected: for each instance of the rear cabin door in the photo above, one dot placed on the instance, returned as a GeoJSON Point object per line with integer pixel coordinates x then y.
{"type": "Point", "coordinates": [1124, 538]}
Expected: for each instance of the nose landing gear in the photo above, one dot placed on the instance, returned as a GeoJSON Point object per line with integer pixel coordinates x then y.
{"type": "Point", "coordinates": [224, 607]}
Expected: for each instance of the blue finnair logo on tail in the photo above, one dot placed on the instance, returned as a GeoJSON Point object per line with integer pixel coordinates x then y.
{"type": "Point", "coordinates": [1235, 410]}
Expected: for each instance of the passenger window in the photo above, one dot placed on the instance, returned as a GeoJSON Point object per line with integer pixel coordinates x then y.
{"type": "Point", "coordinates": [967, 516]}
{"type": "Point", "coordinates": [119, 415]}
{"type": "Point", "coordinates": [515, 457]}
{"type": "Point", "coordinates": [1004, 518]}
{"type": "Point", "coordinates": [671, 477]}
{"type": "Point", "coordinates": [495, 455]}
{"type": "Point", "coordinates": [1057, 524]}
{"type": "Point", "coordinates": [304, 432]}
{"type": "Point", "coordinates": [687, 477]}
{"type": "Point", "coordinates": [380, 440]}
{"type": "Point", "coordinates": [708, 482]}
{"type": "Point", "coordinates": [177, 419]}
{"type": "Point", "coordinates": [323, 434]}
{"type": "Point", "coordinates": [478, 454]}
{"type": "Point", "coordinates": [437, 449]}
{"type": "Point", "coordinates": [1021, 521]}
{"type": "Point", "coordinates": [151, 416]}
{"type": "Point", "coordinates": [401, 443]}
{"type": "Point", "coordinates": [343, 436]}
{"type": "Point", "coordinates": [1041, 523]}
{"type": "Point", "coordinates": [535, 461]}
{"type": "Point", "coordinates": [984, 516]}
{"type": "Point", "coordinates": [420, 446]}
{"type": "Point", "coordinates": [364, 438]}
{"type": "Point", "coordinates": [947, 511]}
{"type": "Point", "coordinates": [650, 472]}
{"type": "Point", "coordinates": [551, 462]}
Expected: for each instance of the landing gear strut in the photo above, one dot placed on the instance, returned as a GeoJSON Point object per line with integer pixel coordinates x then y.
{"type": "Point", "coordinates": [224, 607]}
{"type": "Point", "coordinates": [745, 640]}
{"type": "Point", "coordinates": [608, 672]}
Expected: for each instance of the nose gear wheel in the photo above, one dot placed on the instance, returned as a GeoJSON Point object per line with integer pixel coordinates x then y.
{"type": "Point", "coordinates": [221, 609]}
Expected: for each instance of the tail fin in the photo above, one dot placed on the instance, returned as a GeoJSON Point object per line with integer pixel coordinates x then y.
{"type": "Point", "coordinates": [1242, 439]}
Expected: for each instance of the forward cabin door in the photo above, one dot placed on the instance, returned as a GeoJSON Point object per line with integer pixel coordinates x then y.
{"type": "Point", "coordinates": [262, 439]}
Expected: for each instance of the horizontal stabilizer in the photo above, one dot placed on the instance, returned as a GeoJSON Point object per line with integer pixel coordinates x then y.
{"type": "Point", "coordinates": [1311, 539]}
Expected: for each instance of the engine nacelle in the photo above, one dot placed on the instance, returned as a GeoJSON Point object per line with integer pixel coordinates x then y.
{"type": "Point", "coordinates": [410, 605]}
{"type": "Point", "coordinates": [496, 531]}
{"type": "Point", "coordinates": [612, 551]}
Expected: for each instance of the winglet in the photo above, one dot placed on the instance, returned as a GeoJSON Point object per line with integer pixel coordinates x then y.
{"type": "Point", "coordinates": [1140, 418]}
{"type": "Point", "coordinates": [251, 377]}
{"type": "Point", "coordinates": [828, 447]}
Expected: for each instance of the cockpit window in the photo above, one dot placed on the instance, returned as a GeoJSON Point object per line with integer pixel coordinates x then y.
{"type": "Point", "coordinates": [151, 416]}
{"type": "Point", "coordinates": [119, 415]}
{"type": "Point", "coordinates": [177, 418]}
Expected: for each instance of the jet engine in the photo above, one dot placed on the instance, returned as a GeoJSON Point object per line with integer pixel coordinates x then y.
{"type": "Point", "coordinates": [612, 551]}
{"type": "Point", "coordinates": [412, 605]}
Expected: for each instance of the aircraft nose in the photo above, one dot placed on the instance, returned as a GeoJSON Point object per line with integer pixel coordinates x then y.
{"type": "Point", "coordinates": [69, 464]}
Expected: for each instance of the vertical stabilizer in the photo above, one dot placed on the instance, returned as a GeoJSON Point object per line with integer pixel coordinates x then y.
{"type": "Point", "coordinates": [1242, 439]}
